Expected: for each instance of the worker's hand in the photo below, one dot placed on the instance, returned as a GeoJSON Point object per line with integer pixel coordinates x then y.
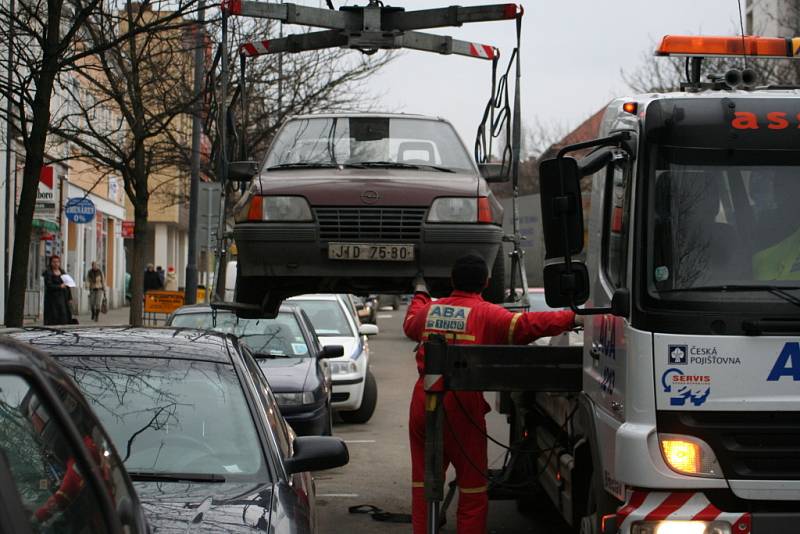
{"type": "Point", "coordinates": [420, 286]}
{"type": "Point", "coordinates": [578, 321]}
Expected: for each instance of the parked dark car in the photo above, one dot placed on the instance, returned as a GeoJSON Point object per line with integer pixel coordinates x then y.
{"type": "Point", "coordinates": [289, 353]}
{"type": "Point", "coordinates": [59, 471]}
{"type": "Point", "coordinates": [359, 203]}
{"type": "Point", "coordinates": [197, 425]}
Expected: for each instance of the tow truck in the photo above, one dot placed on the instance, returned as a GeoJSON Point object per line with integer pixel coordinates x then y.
{"type": "Point", "coordinates": [680, 412]}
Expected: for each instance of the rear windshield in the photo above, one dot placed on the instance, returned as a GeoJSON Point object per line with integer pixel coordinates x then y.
{"type": "Point", "coordinates": [358, 140]}
{"type": "Point", "coordinates": [327, 317]}
{"type": "Point", "coordinates": [281, 336]}
{"type": "Point", "coordinates": [172, 416]}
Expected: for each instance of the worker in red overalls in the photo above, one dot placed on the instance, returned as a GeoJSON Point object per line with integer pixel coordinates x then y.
{"type": "Point", "coordinates": [464, 317]}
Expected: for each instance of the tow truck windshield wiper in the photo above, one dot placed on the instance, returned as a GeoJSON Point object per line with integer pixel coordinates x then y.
{"type": "Point", "coordinates": [303, 165]}
{"type": "Point", "coordinates": [155, 476]}
{"type": "Point", "coordinates": [778, 291]}
{"type": "Point", "coordinates": [398, 165]}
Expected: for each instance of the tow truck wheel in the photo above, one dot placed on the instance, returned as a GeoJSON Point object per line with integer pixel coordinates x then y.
{"type": "Point", "coordinates": [496, 291]}
{"type": "Point", "coordinates": [598, 504]}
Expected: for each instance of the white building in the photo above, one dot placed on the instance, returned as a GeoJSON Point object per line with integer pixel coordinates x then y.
{"type": "Point", "coordinates": [772, 18]}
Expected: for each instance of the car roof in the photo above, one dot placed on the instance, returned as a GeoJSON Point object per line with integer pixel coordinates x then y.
{"type": "Point", "coordinates": [123, 341]}
{"type": "Point", "coordinates": [358, 114]}
{"type": "Point", "coordinates": [205, 308]}
{"type": "Point", "coordinates": [315, 296]}
{"type": "Point", "coordinates": [13, 351]}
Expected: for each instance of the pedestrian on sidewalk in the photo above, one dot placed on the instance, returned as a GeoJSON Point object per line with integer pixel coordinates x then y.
{"type": "Point", "coordinates": [151, 279]}
{"type": "Point", "coordinates": [161, 276]}
{"type": "Point", "coordinates": [96, 284]}
{"type": "Point", "coordinates": [57, 296]}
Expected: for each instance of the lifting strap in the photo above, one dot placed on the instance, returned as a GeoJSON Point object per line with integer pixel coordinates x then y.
{"type": "Point", "coordinates": [380, 515]}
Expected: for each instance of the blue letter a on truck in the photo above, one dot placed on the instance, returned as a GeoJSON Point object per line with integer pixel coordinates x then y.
{"type": "Point", "coordinates": [787, 364]}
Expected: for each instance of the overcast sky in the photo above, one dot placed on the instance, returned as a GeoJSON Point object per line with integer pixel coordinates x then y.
{"type": "Point", "coordinates": [572, 54]}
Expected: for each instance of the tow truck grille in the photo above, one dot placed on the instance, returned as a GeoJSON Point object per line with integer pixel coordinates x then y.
{"type": "Point", "coordinates": [748, 445]}
{"type": "Point", "coordinates": [392, 224]}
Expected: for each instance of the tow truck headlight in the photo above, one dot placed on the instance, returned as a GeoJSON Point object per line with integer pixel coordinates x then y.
{"type": "Point", "coordinates": [688, 455]}
{"type": "Point", "coordinates": [295, 399]}
{"type": "Point", "coordinates": [681, 527]}
{"type": "Point", "coordinates": [343, 368]}
{"type": "Point", "coordinates": [279, 209]}
{"type": "Point", "coordinates": [460, 210]}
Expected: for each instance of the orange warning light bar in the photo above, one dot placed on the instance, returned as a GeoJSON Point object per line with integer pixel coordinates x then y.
{"type": "Point", "coordinates": [749, 45]}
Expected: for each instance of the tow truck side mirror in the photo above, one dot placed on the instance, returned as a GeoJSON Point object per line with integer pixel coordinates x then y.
{"type": "Point", "coordinates": [494, 172]}
{"type": "Point", "coordinates": [566, 285]}
{"type": "Point", "coordinates": [242, 171]}
{"type": "Point", "coordinates": [562, 209]}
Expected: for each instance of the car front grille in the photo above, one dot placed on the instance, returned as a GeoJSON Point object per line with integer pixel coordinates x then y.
{"type": "Point", "coordinates": [371, 224]}
{"type": "Point", "coordinates": [748, 445]}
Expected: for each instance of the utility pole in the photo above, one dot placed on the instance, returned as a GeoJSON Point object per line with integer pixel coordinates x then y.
{"type": "Point", "coordinates": [190, 291]}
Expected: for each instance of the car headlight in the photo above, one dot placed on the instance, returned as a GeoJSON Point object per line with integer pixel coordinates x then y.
{"type": "Point", "coordinates": [681, 527]}
{"type": "Point", "coordinates": [279, 209]}
{"type": "Point", "coordinates": [295, 399]}
{"type": "Point", "coordinates": [460, 210]}
{"type": "Point", "coordinates": [343, 368]}
{"type": "Point", "coordinates": [688, 455]}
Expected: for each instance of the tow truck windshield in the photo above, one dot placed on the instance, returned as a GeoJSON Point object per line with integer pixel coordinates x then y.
{"type": "Point", "coordinates": [725, 225]}
{"type": "Point", "coordinates": [374, 142]}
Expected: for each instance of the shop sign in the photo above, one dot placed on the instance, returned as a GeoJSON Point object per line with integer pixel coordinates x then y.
{"type": "Point", "coordinates": [127, 229]}
{"type": "Point", "coordinates": [46, 195]}
{"type": "Point", "coordinates": [162, 301]}
{"type": "Point", "coordinates": [80, 210]}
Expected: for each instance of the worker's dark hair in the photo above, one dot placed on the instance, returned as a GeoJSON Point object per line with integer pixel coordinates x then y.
{"type": "Point", "coordinates": [470, 274]}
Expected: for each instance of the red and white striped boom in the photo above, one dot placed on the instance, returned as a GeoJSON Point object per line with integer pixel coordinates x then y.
{"type": "Point", "coordinates": [370, 27]}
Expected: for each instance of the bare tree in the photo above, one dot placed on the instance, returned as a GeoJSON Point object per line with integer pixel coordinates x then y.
{"type": "Point", "coordinates": [145, 81]}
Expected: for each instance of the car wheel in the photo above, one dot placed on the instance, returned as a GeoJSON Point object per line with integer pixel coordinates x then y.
{"type": "Point", "coordinates": [496, 291]}
{"type": "Point", "coordinates": [368, 403]}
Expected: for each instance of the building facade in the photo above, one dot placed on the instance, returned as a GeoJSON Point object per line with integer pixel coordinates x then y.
{"type": "Point", "coordinates": [772, 18]}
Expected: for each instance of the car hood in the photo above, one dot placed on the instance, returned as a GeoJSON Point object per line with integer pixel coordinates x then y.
{"type": "Point", "coordinates": [349, 344]}
{"type": "Point", "coordinates": [172, 507]}
{"type": "Point", "coordinates": [395, 187]}
{"type": "Point", "coordinates": [286, 374]}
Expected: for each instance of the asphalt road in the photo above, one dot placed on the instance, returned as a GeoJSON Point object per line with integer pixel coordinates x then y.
{"type": "Point", "coordinates": [379, 472]}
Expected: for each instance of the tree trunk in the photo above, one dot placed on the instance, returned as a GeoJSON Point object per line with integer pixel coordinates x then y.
{"type": "Point", "coordinates": [137, 269]}
{"type": "Point", "coordinates": [34, 159]}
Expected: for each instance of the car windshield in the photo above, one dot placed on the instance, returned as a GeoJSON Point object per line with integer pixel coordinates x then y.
{"type": "Point", "coordinates": [172, 416]}
{"type": "Point", "coordinates": [368, 140]}
{"type": "Point", "coordinates": [723, 222]}
{"type": "Point", "coordinates": [281, 336]}
{"type": "Point", "coordinates": [327, 317]}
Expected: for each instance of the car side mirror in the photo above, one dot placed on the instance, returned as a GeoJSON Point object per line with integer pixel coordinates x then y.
{"type": "Point", "coordinates": [331, 351]}
{"type": "Point", "coordinates": [242, 171]}
{"type": "Point", "coordinates": [494, 172]}
{"type": "Point", "coordinates": [317, 453]}
{"type": "Point", "coordinates": [566, 285]}
{"type": "Point", "coordinates": [368, 330]}
{"type": "Point", "coordinates": [562, 207]}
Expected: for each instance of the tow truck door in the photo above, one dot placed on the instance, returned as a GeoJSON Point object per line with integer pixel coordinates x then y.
{"type": "Point", "coordinates": [605, 352]}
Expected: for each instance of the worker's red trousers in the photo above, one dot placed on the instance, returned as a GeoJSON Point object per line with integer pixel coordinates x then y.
{"type": "Point", "coordinates": [464, 447]}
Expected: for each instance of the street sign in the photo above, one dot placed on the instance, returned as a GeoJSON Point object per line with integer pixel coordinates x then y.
{"type": "Point", "coordinates": [128, 229]}
{"type": "Point", "coordinates": [80, 210]}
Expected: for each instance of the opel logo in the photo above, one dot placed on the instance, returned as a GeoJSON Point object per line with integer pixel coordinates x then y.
{"type": "Point", "coordinates": [370, 197]}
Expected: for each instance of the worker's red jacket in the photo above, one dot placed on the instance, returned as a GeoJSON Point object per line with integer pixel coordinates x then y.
{"type": "Point", "coordinates": [465, 318]}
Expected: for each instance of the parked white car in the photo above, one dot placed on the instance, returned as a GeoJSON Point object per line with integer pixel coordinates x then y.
{"type": "Point", "coordinates": [355, 392]}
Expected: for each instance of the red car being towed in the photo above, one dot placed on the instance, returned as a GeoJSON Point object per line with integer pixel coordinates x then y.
{"type": "Point", "coordinates": [360, 203]}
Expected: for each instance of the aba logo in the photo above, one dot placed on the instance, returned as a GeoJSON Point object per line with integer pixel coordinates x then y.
{"type": "Point", "coordinates": [682, 387]}
{"type": "Point", "coordinates": [678, 354]}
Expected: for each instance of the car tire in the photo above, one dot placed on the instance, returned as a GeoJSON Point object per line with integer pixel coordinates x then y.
{"type": "Point", "coordinates": [496, 291]}
{"type": "Point", "coordinates": [368, 403]}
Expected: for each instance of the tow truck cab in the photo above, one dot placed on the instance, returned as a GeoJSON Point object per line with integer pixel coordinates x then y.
{"type": "Point", "coordinates": [689, 419]}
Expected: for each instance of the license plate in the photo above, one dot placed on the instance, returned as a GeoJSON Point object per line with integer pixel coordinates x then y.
{"type": "Point", "coordinates": [360, 251]}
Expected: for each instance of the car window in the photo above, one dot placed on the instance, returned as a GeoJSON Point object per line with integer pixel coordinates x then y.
{"type": "Point", "coordinates": [280, 336]}
{"type": "Point", "coordinates": [327, 317]}
{"type": "Point", "coordinates": [43, 463]}
{"type": "Point", "coordinates": [172, 416]}
{"type": "Point", "coordinates": [274, 418]}
{"type": "Point", "coordinates": [355, 140]}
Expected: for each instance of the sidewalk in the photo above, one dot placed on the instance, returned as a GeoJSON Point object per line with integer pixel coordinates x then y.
{"type": "Point", "coordinates": [118, 316]}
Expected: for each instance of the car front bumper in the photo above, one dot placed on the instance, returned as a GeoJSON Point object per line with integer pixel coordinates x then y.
{"type": "Point", "coordinates": [296, 250]}
{"type": "Point", "coordinates": [347, 391]}
{"type": "Point", "coordinates": [306, 420]}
